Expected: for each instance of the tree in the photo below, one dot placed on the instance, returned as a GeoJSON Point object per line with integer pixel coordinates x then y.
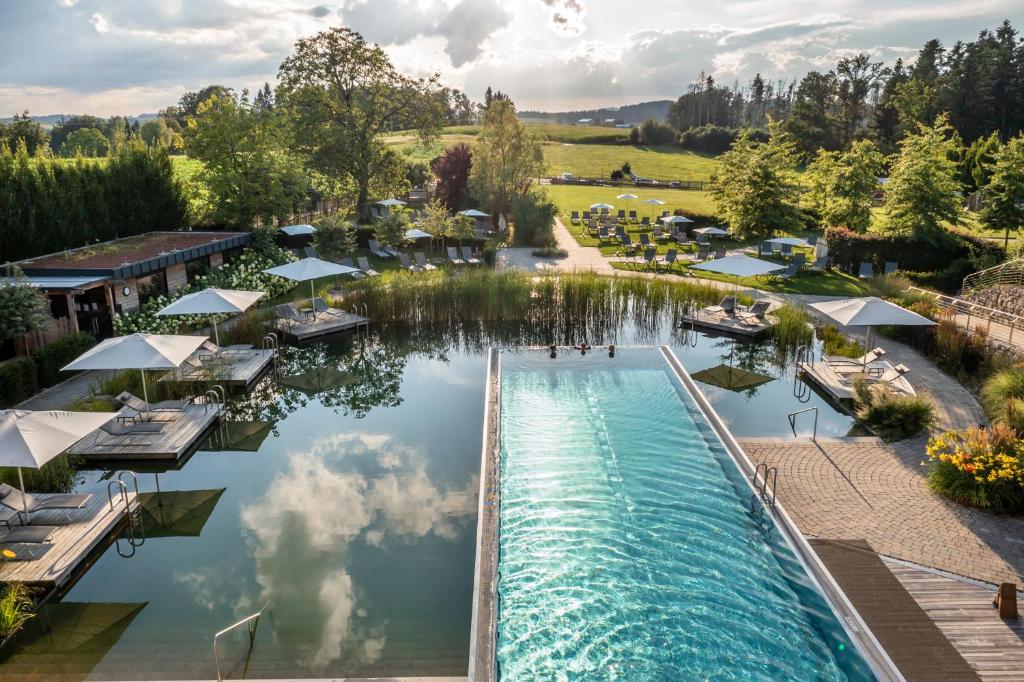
{"type": "Point", "coordinates": [634, 135]}
{"type": "Point", "coordinates": [248, 166]}
{"type": "Point", "coordinates": [437, 221]}
{"type": "Point", "coordinates": [654, 133]}
{"type": "Point", "coordinates": [23, 308]}
{"type": "Point", "coordinates": [390, 232]}
{"type": "Point", "coordinates": [22, 129]}
{"type": "Point", "coordinates": [755, 186]}
{"type": "Point", "coordinates": [85, 142]}
{"type": "Point", "coordinates": [978, 161]}
{"type": "Point", "coordinates": [841, 185]}
{"type": "Point", "coordinates": [452, 170]}
{"type": "Point", "coordinates": [335, 237]}
{"type": "Point", "coordinates": [341, 94]}
{"type": "Point", "coordinates": [508, 156]}
{"type": "Point", "coordinates": [923, 190]}
{"type": "Point", "coordinates": [1004, 194]}
{"type": "Point", "coordinates": [813, 123]}
{"type": "Point", "coordinates": [156, 133]}
{"type": "Point", "coordinates": [914, 102]}
{"type": "Point", "coordinates": [534, 218]}
{"type": "Point", "coordinates": [856, 78]}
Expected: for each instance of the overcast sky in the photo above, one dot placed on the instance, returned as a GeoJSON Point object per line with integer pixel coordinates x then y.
{"type": "Point", "coordinates": [133, 56]}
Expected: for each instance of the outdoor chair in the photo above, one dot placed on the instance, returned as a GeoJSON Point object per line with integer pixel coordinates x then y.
{"type": "Point", "coordinates": [891, 267]}
{"type": "Point", "coordinates": [668, 261]}
{"type": "Point", "coordinates": [659, 234]}
{"type": "Point", "coordinates": [726, 307]}
{"type": "Point", "coordinates": [404, 261]}
{"type": "Point", "coordinates": [812, 241]}
{"type": "Point", "coordinates": [467, 255]}
{"type": "Point", "coordinates": [622, 214]}
{"type": "Point", "coordinates": [14, 499]}
{"type": "Point", "coordinates": [309, 252]}
{"type": "Point", "coordinates": [421, 260]}
{"type": "Point", "coordinates": [347, 262]}
{"type": "Point", "coordinates": [620, 233]}
{"type": "Point", "coordinates": [627, 243]}
{"type": "Point", "coordinates": [650, 257]}
{"type": "Point", "coordinates": [787, 250]}
{"type": "Point", "coordinates": [820, 263]}
{"type": "Point", "coordinates": [842, 361]}
{"type": "Point", "coordinates": [753, 315]}
{"type": "Point", "coordinates": [575, 217]}
{"type": "Point", "coordinates": [139, 405]}
{"type": "Point", "coordinates": [587, 215]}
{"type": "Point", "coordinates": [702, 252]}
{"type": "Point", "coordinates": [776, 248]}
{"type": "Point", "coordinates": [645, 240]}
{"type": "Point", "coordinates": [632, 216]}
{"type": "Point", "coordinates": [764, 249]}
{"type": "Point", "coordinates": [25, 535]}
{"type": "Point", "coordinates": [645, 221]}
{"type": "Point", "coordinates": [288, 313]}
{"type": "Point", "coordinates": [377, 251]}
{"type": "Point", "coordinates": [719, 253]}
{"type": "Point", "coordinates": [664, 214]}
{"type": "Point", "coordinates": [795, 266]}
{"type": "Point", "coordinates": [602, 234]}
{"type": "Point", "coordinates": [604, 211]}
{"type": "Point", "coordinates": [867, 270]}
{"type": "Point", "coordinates": [892, 374]}
{"type": "Point", "coordinates": [453, 257]}
{"type": "Point", "coordinates": [364, 267]}
{"type": "Point", "coordinates": [682, 239]}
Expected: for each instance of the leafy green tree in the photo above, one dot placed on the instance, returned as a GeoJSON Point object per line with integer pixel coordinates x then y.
{"type": "Point", "coordinates": [248, 167]}
{"type": "Point", "coordinates": [157, 133]}
{"type": "Point", "coordinates": [507, 157]}
{"type": "Point", "coordinates": [534, 218]}
{"type": "Point", "coordinates": [23, 308]}
{"type": "Point", "coordinates": [923, 191]}
{"type": "Point", "coordinates": [842, 183]}
{"type": "Point", "coordinates": [755, 186]}
{"type": "Point", "coordinates": [87, 142]}
{"type": "Point", "coordinates": [341, 94]}
{"type": "Point", "coordinates": [654, 133]}
{"type": "Point", "coordinates": [1004, 194]}
{"type": "Point", "coordinates": [335, 237]}
{"type": "Point", "coordinates": [856, 78]}
{"type": "Point", "coordinates": [814, 123]}
{"type": "Point", "coordinates": [390, 232]}
{"type": "Point", "coordinates": [23, 130]}
{"type": "Point", "coordinates": [979, 159]}
{"type": "Point", "coordinates": [914, 102]}
{"type": "Point", "coordinates": [464, 227]}
{"type": "Point", "coordinates": [437, 220]}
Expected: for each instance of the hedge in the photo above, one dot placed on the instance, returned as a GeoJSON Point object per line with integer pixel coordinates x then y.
{"type": "Point", "coordinates": [943, 264]}
{"type": "Point", "coordinates": [17, 381]}
{"type": "Point", "coordinates": [50, 358]}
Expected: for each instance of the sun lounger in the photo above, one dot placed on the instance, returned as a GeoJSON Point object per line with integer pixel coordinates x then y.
{"type": "Point", "coordinates": [668, 261]}
{"type": "Point", "coordinates": [364, 267]}
{"type": "Point", "coordinates": [754, 314]}
{"type": "Point", "coordinates": [892, 374]}
{"type": "Point", "coordinates": [289, 314]}
{"type": "Point", "coordinates": [632, 216]}
{"type": "Point", "coordinates": [820, 263]}
{"type": "Point", "coordinates": [139, 405]}
{"type": "Point", "coordinates": [25, 535]}
{"type": "Point", "coordinates": [453, 257]}
{"type": "Point", "coordinates": [467, 255]}
{"type": "Point", "coordinates": [794, 266]}
{"type": "Point", "coordinates": [348, 263]}
{"type": "Point", "coordinates": [575, 218]}
{"type": "Point", "coordinates": [14, 499]}
{"type": "Point", "coordinates": [659, 234]}
{"type": "Point", "coordinates": [622, 214]}
{"type": "Point", "coordinates": [891, 267]}
{"type": "Point", "coordinates": [726, 307]}
{"type": "Point", "coordinates": [765, 249]}
{"type": "Point", "coordinates": [377, 251]}
{"type": "Point", "coordinates": [702, 253]}
{"type": "Point", "coordinates": [627, 242]}
{"type": "Point", "coordinates": [421, 260]}
{"type": "Point", "coordinates": [650, 257]}
{"type": "Point", "coordinates": [787, 250]}
{"type": "Point", "coordinates": [645, 221]}
{"type": "Point", "coordinates": [645, 240]}
{"type": "Point", "coordinates": [321, 307]}
{"type": "Point", "coordinates": [866, 359]}
{"type": "Point", "coordinates": [812, 241]}
{"type": "Point", "coordinates": [404, 261]}
{"type": "Point", "coordinates": [682, 239]}
{"type": "Point", "coordinates": [867, 271]}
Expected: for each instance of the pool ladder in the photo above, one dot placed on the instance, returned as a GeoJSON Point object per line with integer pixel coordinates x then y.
{"type": "Point", "coordinates": [802, 389]}
{"type": "Point", "coordinates": [251, 621]}
{"type": "Point", "coordinates": [135, 530]}
{"type": "Point", "coordinates": [760, 482]}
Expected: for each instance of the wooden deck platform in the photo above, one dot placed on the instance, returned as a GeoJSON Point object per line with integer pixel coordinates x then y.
{"type": "Point", "coordinates": [179, 437]}
{"type": "Point", "coordinates": [332, 322]}
{"type": "Point", "coordinates": [70, 545]}
{"type": "Point", "coordinates": [838, 386]}
{"type": "Point", "coordinates": [725, 324]}
{"type": "Point", "coordinates": [230, 368]}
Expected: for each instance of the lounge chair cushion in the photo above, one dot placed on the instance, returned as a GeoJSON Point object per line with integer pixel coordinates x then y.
{"type": "Point", "coordinates": [12, 499]}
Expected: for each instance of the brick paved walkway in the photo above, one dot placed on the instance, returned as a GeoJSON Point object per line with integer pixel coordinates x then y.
{"type": "Point", "coordinates": [863, 488]}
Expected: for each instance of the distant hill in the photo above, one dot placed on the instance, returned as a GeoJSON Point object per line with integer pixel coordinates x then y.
{"type": "Point", "coordinates": [51, 120]}
{"type": "Point", "coordinates": [631, 113]}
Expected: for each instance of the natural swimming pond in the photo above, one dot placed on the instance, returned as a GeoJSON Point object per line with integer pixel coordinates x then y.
{"type": "Point", "coordinates": [629, 545]}
{"type": "Point", "coordinates": [344, 492]}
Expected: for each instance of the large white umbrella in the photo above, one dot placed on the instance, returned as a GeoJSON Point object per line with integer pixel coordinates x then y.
{"type": "Point", "coordinates": [740, 266]}
{"type": "Point", "coordinates": [626, 198]}
{"type": "Point", "coordinates": [711, 231]}
{"type": "Point", "coordinates": [296, 230]}
{"type": "Point", "coordinates": [213, 302]}
{"type": "Point", "coordinates": [473, 213]}
{"type": "Point", "coordinates": [391, 202]}
{"type": "Point", "coordinates": [138, 351]}
{"type": "Point", "coordinates": [792, 241]}
{"type": "Point", "coordinates": [601, 207]}
{"type": "Point", "coordinates": [31, 439]}
{"type": "Point", "coordinates": [868, 312]}
{"type": "Point", "coordinates": [417, 234]}
{"type": "Point", "coordinates": [309, 269]}
{"type": "Point", "coordinates": [654, 202]}
{"type": "Point", "coordinates": [673, 219]}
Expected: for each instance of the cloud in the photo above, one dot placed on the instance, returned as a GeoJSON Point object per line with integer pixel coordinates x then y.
{"type": "Point", "coordinates": [468, 26]}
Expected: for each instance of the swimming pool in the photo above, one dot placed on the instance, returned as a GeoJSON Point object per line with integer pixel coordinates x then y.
{"type": "Point", "coordinates": [628, 546]}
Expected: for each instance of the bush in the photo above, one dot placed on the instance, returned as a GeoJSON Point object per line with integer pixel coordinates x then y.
{"type": "Point", "coordinates": [534, 217]}
{"type": "Point", "coordinates": [15, 609]}
{"type": "Point", "coordinates": [1002, 396]}
{"type": "Point", "coordinates": [712, 139]}
{"type": "Point", "coordinates": [979, 467]}
{"type": "Point", "coordinates": [52, 357]}
{"type": "Point", "coordinates": [893, 417]}
{"type": "Point", "coordinates": [835, 343]}
{"type": "Point", "coordinates": [792, 327]}
{"type": "Point", "coordinates": [17, 381]}
{"type": "Point", "coordinates": [654, 133]}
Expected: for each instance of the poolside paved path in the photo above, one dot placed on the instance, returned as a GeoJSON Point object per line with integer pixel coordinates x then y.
{"type": "Point", "coordinates": [62, 395]}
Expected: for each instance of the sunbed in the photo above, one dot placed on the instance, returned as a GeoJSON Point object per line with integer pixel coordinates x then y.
{"type": "Point", "coordinates": [891, 267]}
{"type": "Point", "coordinates": [364, 267]}
{"type": "Point", "coordinates": [668, 261]}
{"type": "Point", "coordinates": [867, 270]}
{"type": "Point", "coordinates": [25, 535]}
{"type": "Point", "coordinates": [719, 253]}
{"type": "Point", "coordinates": [377, 251]}
{"type": "Point", "coordinates": [866, 359]}
{"type": "Point", "coordinates": [702, 252]}
{"type": "Point", "coordinates": [139, 405]}
{"type": "Point", "coordinates": [726, 307]}
{"type": "Point", "coordinates": [645, 221]}
{"type": "Point", "coordinates": [645, 240]}
{"type": "Point", "coordinates": [12, 498]}
{"type": "Point", "coordinates": [421, 260]}
{"type": "Point", "coordinates": [754, 314]}
{"type": "Point", "coordinates": [309, 252]}
{"type": "Point", "coordinates": [403, 259]}
{"type": "Point", "coordinates": [289, 313]}
{"type": "Point", "coordinates": [467, 255]}
{"type": "Point", "coordinates": [453, 257]}
{"type": "Point", "coordinates": [794, 266]}
{"type": "Point", "coordinates": [575, 218]}
{"type": "Point", "coordinates": [347, 262]}
{"type": "Point", "coordinates": [632, 216]}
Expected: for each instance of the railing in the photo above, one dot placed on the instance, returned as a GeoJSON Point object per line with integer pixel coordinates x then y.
{"type": "Point", "coordinates": [1010, 273]}
{"type": "Point", "coordinates": [792, 420]}
{"type": "Point", "coordinates": [761, 488]}
{"type": "Point", "coordinates": [252, 622]}
{"type": "Point", "coordinates": [953, 306]}
{"type": "Point", "coordinates": [136, 529]}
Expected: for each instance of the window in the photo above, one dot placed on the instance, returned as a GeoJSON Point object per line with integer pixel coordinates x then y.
{"type": "Point", "coordinates": [151, 286]}
{"type": "Point", "coordinates": [196, 267]}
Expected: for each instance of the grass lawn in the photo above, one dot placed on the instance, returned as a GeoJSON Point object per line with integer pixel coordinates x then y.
{"type": "Point", "coordinates": [571, 198]}
{"type": "Point", "coordinates": [599, 160]}
{"type": "Point", "coordinates": [832, 283]}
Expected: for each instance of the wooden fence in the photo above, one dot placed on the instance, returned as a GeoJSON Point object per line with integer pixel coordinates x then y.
{"type": "Point", "coordinates": [59, 327]}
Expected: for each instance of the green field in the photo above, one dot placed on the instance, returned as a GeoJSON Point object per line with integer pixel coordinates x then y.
{"type": "Point", "coordinates": [599, 160]}
{"type": "Point", "coordinates": [570, 198]}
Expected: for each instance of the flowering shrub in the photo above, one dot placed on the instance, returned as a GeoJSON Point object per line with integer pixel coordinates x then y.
{"type": "Point", "coordinates": [244, 273]}
{"type": "Point", "coordinates": [979, 467]}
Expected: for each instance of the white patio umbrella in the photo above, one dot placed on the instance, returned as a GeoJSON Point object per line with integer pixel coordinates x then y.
{"type": "Point", "coordinates": [654, 202]}
{"type": "Point", "coordinates": [296, 230]}
{"type": "Point", "coordinates": [740, 266]}
{"type": "Point", "coordinates": [626, 198]}
{"type": "Point", "coordinates": [711, 231]}
{"type": "Point", "coordinates": [601, 207]}
{"type": "Point", "coordinates": [213, 302]}
{"type": "Point", "coordinates": [673, 219]}
{"type": "Point", "coordinates": [473, 213]}
{"type": "Point", "coordinates": [417, 234]}
{"type": "Point", "coordinates": [138, 351]}
{"type": "Point", "coordinates": [309, 269]}
{"type": "Point", "coordinates": [391, 202]}
{"type": "Point", "coordinates": [31, 439]}
{"type": "Point", "coordinates": [870, 311]}
{"type": "Point", "coordinates": [792, 241]}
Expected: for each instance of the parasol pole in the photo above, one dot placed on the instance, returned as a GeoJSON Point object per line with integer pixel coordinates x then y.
{"type": "Point", "coordinates": [145, 393]}
{"type": "Point", "coordinates": [24, 501]}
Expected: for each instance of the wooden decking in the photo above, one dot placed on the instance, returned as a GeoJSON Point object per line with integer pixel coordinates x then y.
{"type": "Point", "coordinates": [55, 562]}
{"type": "Point", "coordinates": [331, 322]}
{"type": "Point", "coordinates": [726, 324]}
{"type": "Point", "coordinates": [840, 386]}
{"type": "Point", "coordinates": [230, 368]}
{"type": "Point", "coordinates": [993, 647]}
{"type": "Point", "coordinates": [179, 437]}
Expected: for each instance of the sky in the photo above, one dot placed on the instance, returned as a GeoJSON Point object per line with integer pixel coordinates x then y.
{"type": "Point", "coordinates": [107, 57]}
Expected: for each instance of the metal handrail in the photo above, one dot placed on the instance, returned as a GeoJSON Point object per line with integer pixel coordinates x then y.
{"type": "Point", "coordinates": [1011, 272]}
{"type": "Point", "coordinates": [792, 420]}
{"type": "Point", "coordinates": [961, 306]}
{"type": "Point", "coordinates": [122, 489]}
{"type": "Point", "coordinates": [762, 489]}
{"type": "Point", "coordinates": [252, 621]}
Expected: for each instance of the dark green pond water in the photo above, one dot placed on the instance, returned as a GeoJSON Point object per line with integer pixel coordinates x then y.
{"type": "Point", "coordinates": [346, 495]}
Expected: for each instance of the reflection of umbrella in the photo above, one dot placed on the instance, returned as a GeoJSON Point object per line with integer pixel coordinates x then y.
{"type": "Point", "coordinates": [31, 439]}
{"type": "Point", "coordinates": [138, 351]}
{"type": "Point", "coordinates": [77, 637]}
{"type": "Point", "coordinates": [320, 379]}
{"type": "Point", "coordinates": [213, 301]}
{"type": "Point", "coordinates": [731, 378]}
{"type": "Point", "coordinates": [178, 513]}
{"type": "Point", "coordinates": [242, 436]}
{"type": "Point", "coordinates": [869, 312]}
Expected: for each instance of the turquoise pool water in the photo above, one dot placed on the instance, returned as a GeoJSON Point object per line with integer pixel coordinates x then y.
{"type": "Point", "coordinates": [628, 549]}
